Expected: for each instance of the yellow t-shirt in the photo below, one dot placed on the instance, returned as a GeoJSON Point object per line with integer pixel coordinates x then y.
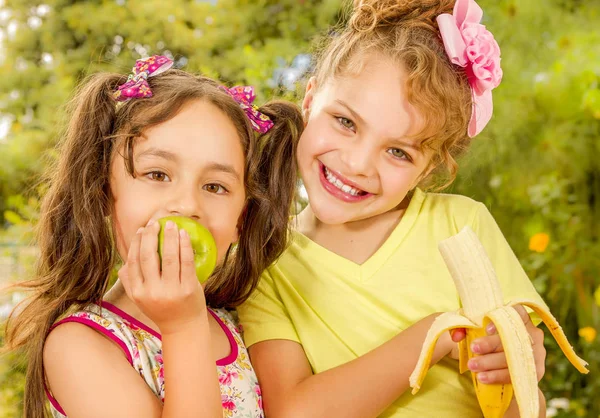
{"type": "Point", "coordinates": [339, 310]}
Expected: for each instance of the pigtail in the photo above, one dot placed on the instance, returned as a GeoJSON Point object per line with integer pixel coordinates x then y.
{"type": "Point", "coordinates": [73, 236]}
{"type": "Point", "coordinates": [271, 189]}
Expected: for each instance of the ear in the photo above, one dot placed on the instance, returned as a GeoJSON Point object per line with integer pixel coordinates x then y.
{"type": "Point", "coordinates": [309, 95]}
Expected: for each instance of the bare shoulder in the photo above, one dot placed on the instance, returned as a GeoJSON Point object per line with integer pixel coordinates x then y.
{"type": "Point", "coordinates": [80, 363]}
{"type": "Point", "coordinates": [72, 342]}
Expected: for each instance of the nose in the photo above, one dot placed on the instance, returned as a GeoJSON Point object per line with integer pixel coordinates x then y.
{"type": "Point", "coordinates": [358, 157]}
{"type": "Point", "coordinates": [184, 200]}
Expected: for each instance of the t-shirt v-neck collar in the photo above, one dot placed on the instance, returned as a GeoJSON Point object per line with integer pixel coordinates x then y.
{"type": "Point", "coordinates": [366, 270]}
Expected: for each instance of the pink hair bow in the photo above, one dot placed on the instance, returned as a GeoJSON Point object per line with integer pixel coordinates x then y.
{"type": "Point", "coordinates": [245, 96]}
{"type": "Point", "coordinates": [470, 45]}
{"type": "Point", "coordinates": [136, 86]}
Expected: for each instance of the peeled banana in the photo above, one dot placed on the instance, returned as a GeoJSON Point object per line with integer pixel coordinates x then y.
{"type": "Point", "coordinates": [482, 302]}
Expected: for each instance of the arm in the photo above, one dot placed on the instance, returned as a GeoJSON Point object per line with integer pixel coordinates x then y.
{"type": "Point", "coordinates": [90, 376]}
{"type": "Point", "coordinates": [173, 298]}
{"type": "Point", "coordinates": [190, 373]}
{"type": "Point", "coordinates": [361, 388]}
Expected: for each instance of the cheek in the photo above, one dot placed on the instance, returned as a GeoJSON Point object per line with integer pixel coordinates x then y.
{"type": "Point", "coordinates": [224, 227]}
{"type": "Point", "coordinates": [317, 138]}
{"type": "Point", "coordinates": [398, 182]}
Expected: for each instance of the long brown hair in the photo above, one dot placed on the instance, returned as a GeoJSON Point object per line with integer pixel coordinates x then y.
{"type": "Point", "coordinates": [75, 235]}
{"type": "Point", "coordinates": [406, 31]}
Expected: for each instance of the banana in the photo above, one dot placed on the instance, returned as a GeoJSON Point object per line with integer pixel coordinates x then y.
{"type": "Point", "coordinates": [482, 302]}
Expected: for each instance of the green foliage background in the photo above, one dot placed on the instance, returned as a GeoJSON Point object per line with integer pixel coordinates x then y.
{"type": "Point", "coordinates": [536, 166]}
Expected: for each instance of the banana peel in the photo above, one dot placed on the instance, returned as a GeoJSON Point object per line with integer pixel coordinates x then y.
{"type": "Point", "coordinates": [482, 302]}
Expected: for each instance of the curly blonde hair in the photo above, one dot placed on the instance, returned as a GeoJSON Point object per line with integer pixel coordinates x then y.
{"type": "Point", "coordinates": [406, 32]}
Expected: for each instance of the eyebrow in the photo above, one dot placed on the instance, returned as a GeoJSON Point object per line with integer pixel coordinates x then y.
{"type": "Point", "coordinates": [355, 114]}
{"type": "Point", "coordinates": [360, 119]}
{"type": "Point", "coordinates": [224, 168]}
{"type": "Point", "coordinates": [156, 152]}
{"type": "Point", "coordinates": [408, 145]}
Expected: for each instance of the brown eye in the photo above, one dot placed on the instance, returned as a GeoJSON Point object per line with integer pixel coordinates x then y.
{"type": "Point", "coordinates": [158, 176]}
{"type": "Point", "coordinates": [215, 188]}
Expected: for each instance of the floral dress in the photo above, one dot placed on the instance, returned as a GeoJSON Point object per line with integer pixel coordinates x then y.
{"type": "Point", "coordinates": [240, 393]}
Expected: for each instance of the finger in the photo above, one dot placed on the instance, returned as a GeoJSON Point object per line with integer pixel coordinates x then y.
{"type": "Point", "coordinates": [149, 261]}
{"type": "Point", "coordinates": [488, 344]}
{"type": "Point", "coordinates": [133, 258]}
{"type": "Point", "coordinates": [523, 314]}
{"type": "Point", "coordinates": [186, 255]}
{"type": "Point", "coordinates": [537, 336]}
{"type": "Point", "coordinates": [539, 354]}
{"type": "Point", "coordinates": [488, 362]}
{"type": "Point", "coordinates": [495, 376]}
{"type": "Point", "coordinates": [170, 253]}
{"type": "Point", "coordinates": [458, 334]}
{"type": "Point", "coordinates": [540, 369]}
{"type": "Point", "coordinates": [130, 274]}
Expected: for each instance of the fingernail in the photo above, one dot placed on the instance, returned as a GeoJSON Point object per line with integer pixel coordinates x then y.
{"type": "Point", "coordinates": [139, 231]}
{"type": "Point", "coordinates": [183, 233]}
{"type": "Point", "coordinates": [150, 222]}
{"type": "Point", "coordinates": [170, 225]}
{"type": "Point", "coordinates": [472, 364]}
{"type": "Point", "coordinates": [490, 329]}
{"type": "Point", "coordinates": [475, 348]}
{"type": "Point", "coordinates": [483, 377]}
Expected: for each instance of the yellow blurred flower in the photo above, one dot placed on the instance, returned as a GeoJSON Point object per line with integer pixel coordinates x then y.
{"type": "Point", "coordinates": [588, 334]}
{"type": "Point", "coordinates": [539, 242]}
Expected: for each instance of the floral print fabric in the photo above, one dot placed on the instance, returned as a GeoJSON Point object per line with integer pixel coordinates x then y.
{"type": "Point", "coordinates": [240, 393]}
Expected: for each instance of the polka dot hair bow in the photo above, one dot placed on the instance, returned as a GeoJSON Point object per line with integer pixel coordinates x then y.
{"type": "Point", "coordinates": [245, 96]}
{"type": "Point", "coordinates": [136, 86]}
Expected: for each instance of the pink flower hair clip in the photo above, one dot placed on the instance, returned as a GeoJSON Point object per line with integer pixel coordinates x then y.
{"type": "Point", "coordinates": [470, 45]}
{"type": "Point", "coordinates": [136, 86]}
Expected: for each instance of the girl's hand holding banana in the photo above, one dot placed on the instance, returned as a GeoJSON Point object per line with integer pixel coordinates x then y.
{"type": "Point", "coordinates": [490, 361]}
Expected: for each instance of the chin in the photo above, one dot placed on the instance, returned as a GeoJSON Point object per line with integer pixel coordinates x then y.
{"type": "Point", "coordinates": [330, 213]}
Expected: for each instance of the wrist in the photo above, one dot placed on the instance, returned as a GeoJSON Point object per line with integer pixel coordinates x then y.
{"type": "Point", "coordinates": [184, 326]}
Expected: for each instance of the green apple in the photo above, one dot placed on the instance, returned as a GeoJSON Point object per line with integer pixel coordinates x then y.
{"type": "Point", "coordinates": [203, 243]}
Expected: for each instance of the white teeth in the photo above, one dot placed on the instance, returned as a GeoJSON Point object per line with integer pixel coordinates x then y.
{"type": "Point", "coordinates": [338, 183]}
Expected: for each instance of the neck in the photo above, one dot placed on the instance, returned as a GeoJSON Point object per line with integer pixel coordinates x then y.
{"type": "Point", "coordinates": [309, 224]}
{"type": "Point", "coordinates": [118, 297]}
{"type": "Point", "coordinates": [356, 241]}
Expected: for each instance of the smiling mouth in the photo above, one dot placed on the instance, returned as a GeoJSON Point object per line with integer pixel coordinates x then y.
{"type": "Point", "coordinates": [340, 187]}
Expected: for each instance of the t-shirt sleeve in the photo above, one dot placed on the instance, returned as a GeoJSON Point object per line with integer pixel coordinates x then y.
{"type": "Point", "coordinates": [513, 280]}
{"type": "Point", "coordinates": [264, 317]}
